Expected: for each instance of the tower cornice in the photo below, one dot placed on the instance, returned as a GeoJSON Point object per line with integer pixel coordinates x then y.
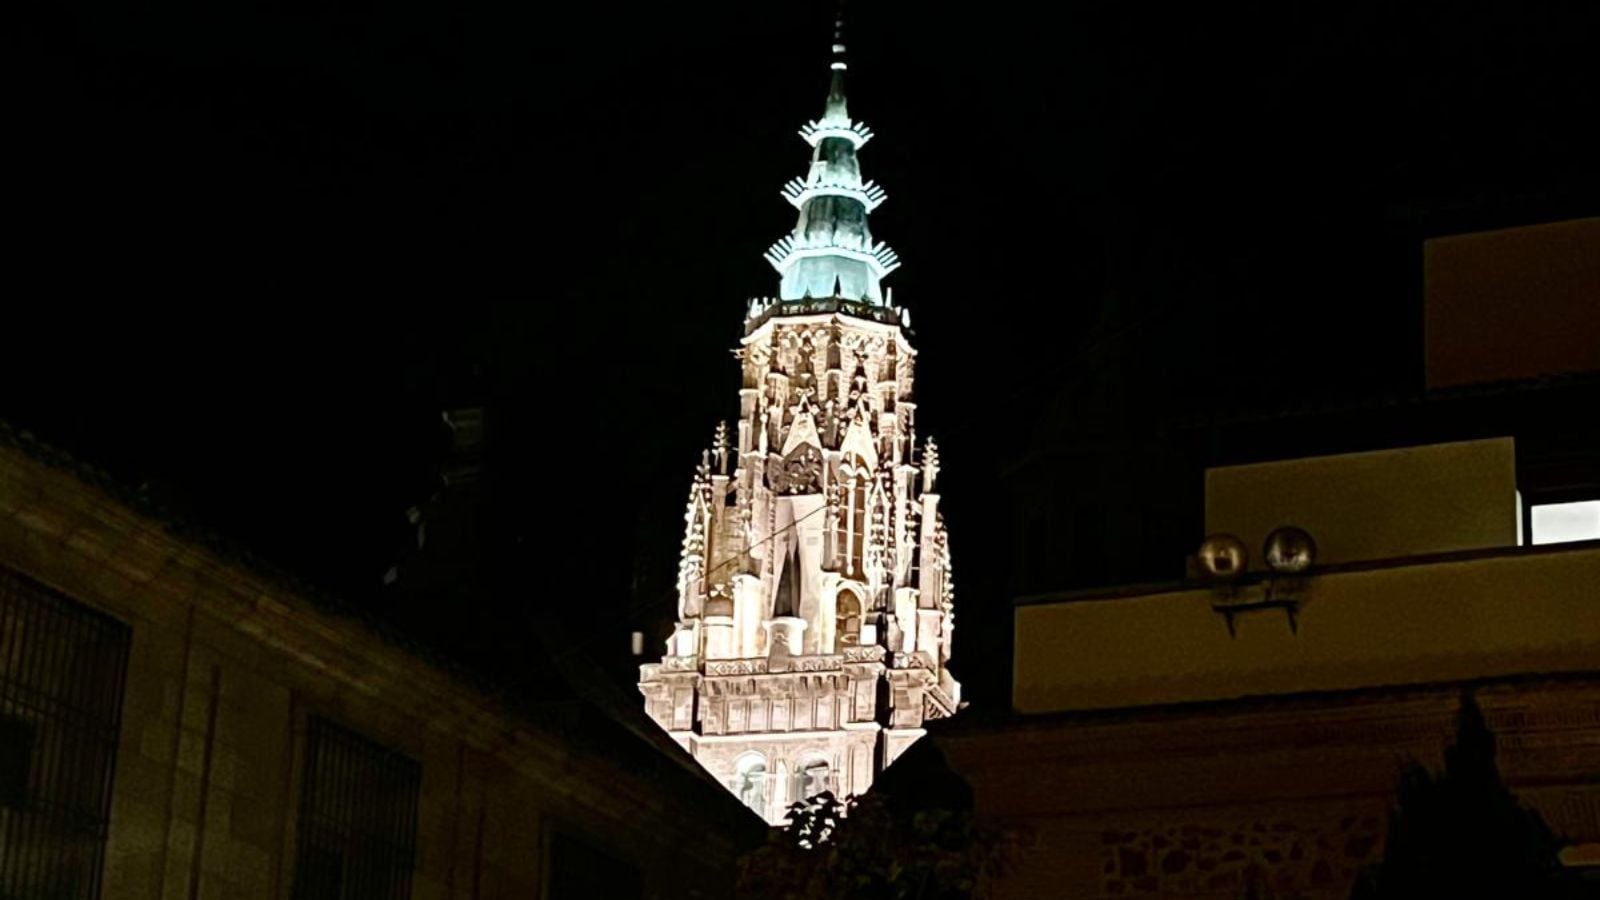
{"type": "Point", "coordinates": [868, 316]}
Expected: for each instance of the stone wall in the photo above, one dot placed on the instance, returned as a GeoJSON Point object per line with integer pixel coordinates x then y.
{"type": "Point", "coordinates": [851, 757]}
{"type": "Point", "coordinates": [224, 670]}
{"type": "Point", "coordinates": [1292, 794]}
{"type": "Point", "coordinates": [1279, 854]}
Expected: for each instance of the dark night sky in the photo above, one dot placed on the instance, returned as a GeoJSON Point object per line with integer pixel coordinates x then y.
{"type": "Point", "coordinates": [259, 245]}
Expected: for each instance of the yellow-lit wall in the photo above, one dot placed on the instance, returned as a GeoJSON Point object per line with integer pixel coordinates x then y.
{"type": "Point", "coordinates": [1376, 505]}
{"type": "Point", "coordinates": [1533, 610]}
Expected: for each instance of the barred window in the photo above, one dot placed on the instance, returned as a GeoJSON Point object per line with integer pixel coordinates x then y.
{"type": "Point", "coordinates": [62, 667]}
{"type": "Point", "coordinates": [357, 826]}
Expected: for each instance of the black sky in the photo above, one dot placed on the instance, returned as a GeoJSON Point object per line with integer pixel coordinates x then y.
{"type": "Point", "coordinates": [257, 246]}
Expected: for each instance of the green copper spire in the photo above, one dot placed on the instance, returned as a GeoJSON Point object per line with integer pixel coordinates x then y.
{"type": "Point", "coordinates": [831, 253]}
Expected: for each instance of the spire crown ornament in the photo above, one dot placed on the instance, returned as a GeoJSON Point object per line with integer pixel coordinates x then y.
{"type": "Point", "coordinates": [831, 254]}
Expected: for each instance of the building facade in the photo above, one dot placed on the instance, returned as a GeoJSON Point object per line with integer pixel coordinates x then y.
{"type": "Point", "coordinates": [175, 725]}
{"type": "Point", "coordinates": [814, 590]}
{"type": "Point", "coordinates": [1243, 733]}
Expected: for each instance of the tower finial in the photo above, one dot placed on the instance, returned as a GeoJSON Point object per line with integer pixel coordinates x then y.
{"type": "Point", "coordinates": [838, 38]}
{"type": "Point", "coordinates": [837, 65]}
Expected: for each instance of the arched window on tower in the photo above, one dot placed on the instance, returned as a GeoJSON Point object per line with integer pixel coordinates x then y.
{"type": "Point", "coordinates": [848, 606]}
{"type": "Point", "coordinates": [750, 782]}
{"type": "Point", "coordinates": [811, 777]}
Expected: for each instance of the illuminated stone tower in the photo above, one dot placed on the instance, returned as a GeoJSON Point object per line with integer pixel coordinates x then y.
{"type": "Point", "coordinates": [814, 592]}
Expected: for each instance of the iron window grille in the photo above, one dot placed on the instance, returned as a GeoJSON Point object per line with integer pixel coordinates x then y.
{"type": "Point", "coordinates": [357, 825]}
{"type": "Point", "coordinates": [62, 671]}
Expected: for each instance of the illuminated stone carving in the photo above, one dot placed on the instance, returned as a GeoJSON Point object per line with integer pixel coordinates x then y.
{"type": "Point", "coordinates": [798, 473]}
{"type": "Point", "coordinates": [814, 591]}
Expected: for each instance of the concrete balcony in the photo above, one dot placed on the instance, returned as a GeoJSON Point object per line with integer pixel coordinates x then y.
{"type": "Point", "coordinates": [1455, 616]}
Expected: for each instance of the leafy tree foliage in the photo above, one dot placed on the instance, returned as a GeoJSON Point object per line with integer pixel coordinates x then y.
{"type": "Point", "coordinates": [870, 848]}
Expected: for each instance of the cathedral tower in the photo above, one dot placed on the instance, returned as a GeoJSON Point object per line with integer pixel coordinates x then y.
{"type": "Point", "coordinates": [814, 592]}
